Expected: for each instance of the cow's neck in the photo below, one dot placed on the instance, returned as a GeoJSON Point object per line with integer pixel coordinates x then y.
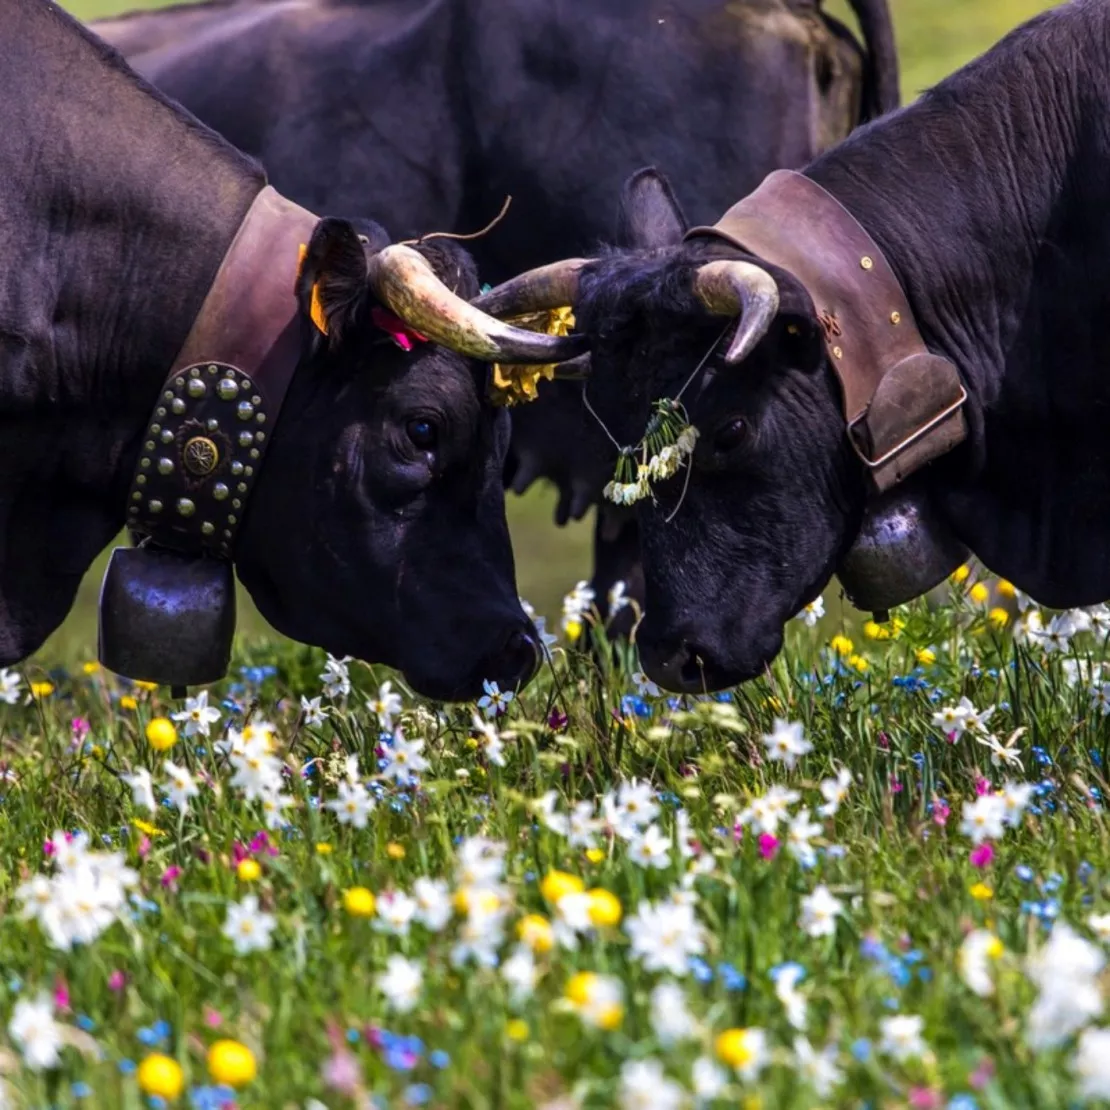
{"type": "Point", "coordinates": [988, 197]}
{"type": "Point", "coordinates": [115, 211]}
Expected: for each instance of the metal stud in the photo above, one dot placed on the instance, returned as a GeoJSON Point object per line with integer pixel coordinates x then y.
{"type": "Point", "coordinates": [207, 528]}
{"type": "Point", "coordinates": [212, 424]}
{"type": "Point", "coordinates": [185, 507]}
{"type": "Point", "coordinates": [149, 445]}
{"type": "Point", "coordinates": [197, 388]}
{"type": "Point", "coordinates": [837, 352]}
{"type": "Point", "coordinates": [155, 429]}
{"type": "Point", "coordinates": [165, 466]}
{"type": "Point", "coordinates": [159, 412]}
{"type": "Point", "coordinates": [896, 318]}
{"type": "Point", "coordinates": [242, 487]}
{"type": "Point", "coordinates": [167, 436]}
{"type": "Point", "coordinates": [220, 491]}
{"type": "Point", "coordinates": [248, 471]}
{"type": "Point", "coordinates": [194, 372]}
{"type": "Point", "coordinates": [140, 479]}
{"type": "Point", "coordinates": [260, 437]}
{"type": "Point", "coordinates": [168, 395]}
{"type": "Point", "coordinates": [245, 410]}
{"type": "Point", "coordinates": [256, 400]}
{"type": "Point", "coordinates": [236, 503]}
{"type": "Point", "coordinates": [213, 369]}
{"type": "Point", "coordinates": [231, 518]}
{"type": "Point", "coordinates": [255, 453]}
{"type": "Point", "coordinates": [228, 389]}
{"type": "Point", "coordinates": [178, 406]}
{"type": "Point", "coordinates": [866, 262]}
{"type": "Point", "coordinates": [133, 509]}
{"type": "Point", "coordinates": [179, 382]}
{"type": "Point", "coordinates": [227, 533]}
{"type": "Point", "coordinates": [154, 506]}
{"type": "Point", "coordinates": [245, 439]}
{"type": "Point", "coordinates": [237, 468]}
{"type": "Point", "coordinates": [136, 495]}
{"type": "Point", "coordinates": [144, 463]}
{"type": "Point", "coordinates": [261, 418]}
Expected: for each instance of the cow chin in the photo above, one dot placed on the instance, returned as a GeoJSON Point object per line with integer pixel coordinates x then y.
{"type": "Point", "coordinates": [687, 658]}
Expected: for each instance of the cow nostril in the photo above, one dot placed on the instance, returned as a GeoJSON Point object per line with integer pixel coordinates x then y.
{"type": "Point", "coordinates": [518, 659]}
{"type": "Point", "coordinates": [691, 666]}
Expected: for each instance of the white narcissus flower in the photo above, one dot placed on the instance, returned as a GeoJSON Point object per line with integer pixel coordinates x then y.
{"type": "Point", "coordinates": [405, 762]}
{"type": "Point", "coordinates": [670, 1017]}
{"type": "Point", "coordinates": [1015, 796]}
{"type": "Point", "coordinates": [786, 743]}
{"type": "Point", "coordinates": [901, 1037]}
{"type": "Point", "coordinates": [545, 809]}
{"type": "Point", "coordinates": [818, 1069]}
{"type": "Point", "coordinates": [313, 714]}
{"type": "Point", "coordinates": [35, 1032]}
{"type": "Point", "coordinates": [984, 818]}
{"type": "Point", "coordinates": [181, 786]}
{"type": "Point", "coordinates": [401, 983]}
{"type": "Point", "coordinates": [1092, 1064]}
{"type": "Point", "coordinates": [10, 686]}
{"type": "Point", "coordinates": [519, 972]}
{"type": "Point", "coordinates": [248, 927]}
{"type": "Point", "coordinates": [820, 911]}
{"type": "Point", "coordinates": [495, 700]}
{"type": "Point", "coordinates": [799, 833]}
{"type": "Point", "coordinates": [433, 904]}
{"type": "Point", "coordinates": [1099, 924]}
{"type": "Point", "coordinates": [645, 1086]}
{"type": "Point", "coordinates": [979, 948]}
{"type": "Point", "coordinates": [793, 1001]}
{"type": "Point", "coordinates": [636, 803]}
{"type": "Point", "coordinates": [1065, 970]}
{"type": "Point", "coordinates": [665, 936]}
{"type": "Point", "coordinates": [951, 720]}
{"type": "Point", "coordinates": [769, 810]}
{"type": "Point", "coordinates": [353, 805]}
{"type": "Point", "coordinates": [709, 1079]}
{"type": "Point", "coordinates": [834, 791]}
{"type": "Point", "coordinates": [198, 716]}
{"type": "Point", "coordinates": [386, 706]}
{"type": "Point", "coordinates": [489, 740]}
{"type": "Point", "coordinates": [812, 613]}
{"type": "Point", "coordinates": [644, 686]}
{"type": "Point", "coordinates": [651, 848]}
{"type": "Point", "coordinates": [142, 789]}
{"type": "Point", "coordinates": [618, 597]}
{"type": "Point", "coordinates": [395, 911]}
{"type": "Point", "coordinates": [336, 678]}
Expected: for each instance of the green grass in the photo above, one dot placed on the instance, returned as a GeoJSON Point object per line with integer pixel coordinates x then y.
{"type": "Point", "coordinates": [164, 979]}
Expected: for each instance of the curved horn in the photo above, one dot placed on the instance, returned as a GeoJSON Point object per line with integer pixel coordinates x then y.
{"type": "Point", "coordinates": [551, 286]}
{"type": "Point", "coordinates": [734, 288]}
{"type": "Point", "coordinates": [404, 279]}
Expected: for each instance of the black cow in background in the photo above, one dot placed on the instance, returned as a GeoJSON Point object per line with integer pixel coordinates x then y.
{"type": "Point", "coordinates": [427, 113]}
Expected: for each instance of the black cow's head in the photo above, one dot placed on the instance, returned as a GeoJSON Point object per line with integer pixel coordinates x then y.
{"type": "Point", "coordinates": [377, 527]}
{"type": "Point", "coordinates": [752, 531]}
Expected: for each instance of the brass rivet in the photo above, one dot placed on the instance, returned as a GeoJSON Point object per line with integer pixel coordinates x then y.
{"type": "Point", "coordinates": [167, 436]}
{"type": "Point", "coordinates": [260, 437]}
{"type": "Point", "coordinates": [236, 503]}
{"type": "Point", "coordinates": [168, 395]}
{"type": "Point", "coordinates": [231, 518]}
{"type": "Point", "coordinates": [149, 445]}
{"type": "Point", "coordinates": [256, 400]}
{"type": "Point", "coordinates": [165, 466]}
{"type": "Point", "coordinates": [227, 533]}
{"type": "Point", "coordinates": [245, 410]}
{"type": "Point", "coordinates": [261, 418]}
{"type": "Point", "coordinates": [866, 262]}
{"type": "Point", "coordinates": [228, 389]}
{"type": "Point", "coordinates": [194, 372]}
{"type": "Point", "coordinates": [248, 471]}
{"type": "Point", "coordinates": [207, 528]}
{"type": "Point", "coordinates": [896, 318]}
{"type": "Point", "coordinates": [178, 406]}
{"type": "Point", "coordinates": [136, 495]}
{"type": "Point", "coordinates": [255, 453]}
{"type": "Point", "coordinates": [159, 412]}
{"type": "Point", "coordinates": [220, 491]}
{"type": "Point", "coordinates": [242, 487]}
{"type": "Point", "coordinates": [837, 352]}
{"type": "Point", "coordinates": [140, 479]}
{"type": "Point", "coordinates": [144, 463]}
{"type": "Point", "coordinates": [179, 382]}
{"type": "Point", "coordinates": [245, 439]}
{"type": "Point", "coordinates": [155, 429]}
{"type": "Point", "coordinates": [133, 509]}
{"type": "Point", "coordinates": [237, 468]}
{"type": "Point", "coordinates": [212, 424]}
{"type": "Point", "coordinates": [185, 507]}
{"type": "Point", "coordinates": [155, 506]}
{"type": "Point", "coordinates": [197, 388]}
{"type": "Point", "coordinates": [213, 369]}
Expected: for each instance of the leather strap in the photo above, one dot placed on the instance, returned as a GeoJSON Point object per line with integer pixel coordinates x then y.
{"type": "Point", "coordinates": [902, 404]}
{"type": "Point", "coordinates": [215, 416]}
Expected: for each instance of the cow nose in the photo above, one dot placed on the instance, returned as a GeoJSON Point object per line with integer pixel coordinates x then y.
{"type": "Point", "coordinates": [516, 661]}
{"type": "Point", "coordinates": [680, 665]}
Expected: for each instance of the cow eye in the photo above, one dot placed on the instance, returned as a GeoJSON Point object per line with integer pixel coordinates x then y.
{"type": "Point", "coordinates": [423, 434]}
{"type": "Point", "coordinates": [729, 436]}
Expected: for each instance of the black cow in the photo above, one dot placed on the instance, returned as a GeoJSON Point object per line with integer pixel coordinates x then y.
{"type": "Point", "coordinates": [428, 112]}
{"type": "Point", "coordinates": [116, 209]}
{"type": "Point", "coordinates": [988, 198]}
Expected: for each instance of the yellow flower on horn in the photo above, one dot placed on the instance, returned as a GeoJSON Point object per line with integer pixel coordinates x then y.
{"type": "Point", "coordinates": [514, 385]}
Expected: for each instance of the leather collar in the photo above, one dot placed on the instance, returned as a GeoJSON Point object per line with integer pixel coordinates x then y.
{"type": "Point", "coordinates": [902, 404]}
{"type": "Point", "coordinates": [216, 412]}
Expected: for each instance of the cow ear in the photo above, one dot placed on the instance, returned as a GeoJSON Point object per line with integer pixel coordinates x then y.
{"type": "Point", "coordinates": [801, 342]}
{"type": "Point", "coordinates": [649, 215]}
{"type": "Point", "coordinates": [332, 288]}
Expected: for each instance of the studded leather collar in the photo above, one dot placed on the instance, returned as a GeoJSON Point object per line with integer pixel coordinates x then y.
{"type": "Point", "coordinates": [208, 435]}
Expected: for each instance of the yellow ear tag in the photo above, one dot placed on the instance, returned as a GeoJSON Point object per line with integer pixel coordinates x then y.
{"type": "Point", "coordinates": [315, 305]}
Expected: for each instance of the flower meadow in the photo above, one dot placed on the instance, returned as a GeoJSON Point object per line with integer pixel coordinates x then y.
{"type": "Point", "coordinates": [877, 877]}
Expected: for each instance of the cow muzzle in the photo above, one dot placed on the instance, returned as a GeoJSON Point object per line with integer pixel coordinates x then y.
{"type": "Point", "coordinates": [903, 550]}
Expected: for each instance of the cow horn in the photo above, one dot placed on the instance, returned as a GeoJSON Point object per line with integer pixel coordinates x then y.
{"type": "Point", "coordinates": [735, 288]}
{"type": "Point", "coordinates": [547, 287]}
{"type": "Point", "coordinates": [404, 279]}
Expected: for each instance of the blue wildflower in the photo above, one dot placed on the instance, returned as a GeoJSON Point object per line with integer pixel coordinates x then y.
{"type": "Point", "coordinates": [701, 970]}
{"type": "Point", "coordinates": [861, 1049]}
{"type": "Point", "coordinates": [211, 1098]}
{"type": "Point", "coordinates": [126, 1067]}
{"type": "Point", "coordinates": [417, 1094]}
{"type": "Point", "coordinates": [80, 1090]}
{"type": "Point", "coordinates": [86, 1023]}
{"type": "Point", "coordinates": [962, 1102]}
{"type": "Point", "coordinates": [439, 1059]}
{"type": "Point", "coordinates": [732, 979]}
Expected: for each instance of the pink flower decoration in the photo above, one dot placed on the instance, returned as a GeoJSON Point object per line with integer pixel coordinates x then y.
{"type": "Point", "coordinates": [117, 981]}
{"type": "Point", "coordinates": [982, 855]}
{"type": "Point", "coordinates": [768, 845]}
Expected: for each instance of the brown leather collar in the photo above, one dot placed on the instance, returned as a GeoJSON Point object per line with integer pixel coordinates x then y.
{"type": "Point", "coordinates": [216, 413]}
{"type": "Point", "coordinates": [903, 405]}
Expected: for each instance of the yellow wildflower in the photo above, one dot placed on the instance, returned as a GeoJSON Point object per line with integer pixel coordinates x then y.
{"type": "Point", "coordinates": [146, 827]}
{"type": "Point", "coordinates": [516, 1030]}
{"type": "Point", "coordinates": [597, 998]}
{"type": "Point", "coordinates": [359, 902]}
{"type": "Point", "coordinates": [573, 629]}
{"type": "Point", "coordinates": [925, 656]}
{"type": "Point", "coordinates": [41, 689]}
{"type": "Point", "coordinates": [161, 1076]}
{"type": "Point", "coordinates": [128, 702]}
{"type": "Point", "coordinates": [595, 855]}
{"type": "Point", "coordinates": [605, 907]}
{"type": "Point", "coordinates": [323, 848]}
{"type": "Point", "coordinates": [981, 892]}
{"type": "Point", "coordinates": [842, 645]}
{"type": "Point", "coordinates": [979, 593]}
{"type": "Point", "coordinates": [161, 734]}
{"type": "Point", "coordinates": [513, 384]}
{"type": "Point", "coordinates": [738, 1047]}
{"type": "Point", "coordinates": [395, 850]}
{"type": "Point", "coordinates": [535, 931]}
{"type": "Point", "coordinates": [558, 883]}
{"type": "Point", "coordinates": [857, 662]}
{"type": "Point", "coordinates": [961, 574]}
{"type": "Point", "coordinates": [149, 687]}
{"type": "Point", "coordinates": [91, 668]}
{"type": "Point", "coordinates": [999, 618]}
{"type": "Point", "coordinates": [231, 1064]}
{"type": "Point", "coordinates": [1005, 588]}
{"type": "Point", "coordinates": [995, 948]}
{"type": "Point", "coordinates": [875, 631]}
{"type": "Point", "coordinates": [248, 870]}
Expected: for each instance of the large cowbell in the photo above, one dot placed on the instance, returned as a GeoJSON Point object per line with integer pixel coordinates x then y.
{"type": "Point", "coordinates": [166, 617]}
{"type": "Point", "coordinates": [902, 551]}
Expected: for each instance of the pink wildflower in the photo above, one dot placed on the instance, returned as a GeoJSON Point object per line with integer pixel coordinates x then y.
{"type": "Point", "coordinates": [239, 852]}
{"type": "Point", "coordinates": [982, 1075]}
{"type": "Point", "coordinates": [768, 845]}
{"type": "Point", "coordinates": [924, 1098]}
{"type": "Point", "coordinates": [80, 728]}
{"type": "Point", "coordinates": [557, 720]}
{"type": "Point", "coordinates": [170, 876]}
{"type": "Point", "coordinates": [48, 848]}
{"type": "Point", "coordinates": [982, 786]}
{"type": "Point", "coordinates": [117, 981]}
{"type": "Point", "coordinates": [941, 812]}
{"type": "Point", "coordinates": [982, 855]}
{"type": "Point", "coordinates": [884, 741]}
{"type": "Point", "coordinates": [61, 994]}
{"type": "Point", "coordinates": [895, 786]}
{"type": "Point", "coordinates": [144, 847]}
{"type": "Point", "coordinates": [212, 1018]}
